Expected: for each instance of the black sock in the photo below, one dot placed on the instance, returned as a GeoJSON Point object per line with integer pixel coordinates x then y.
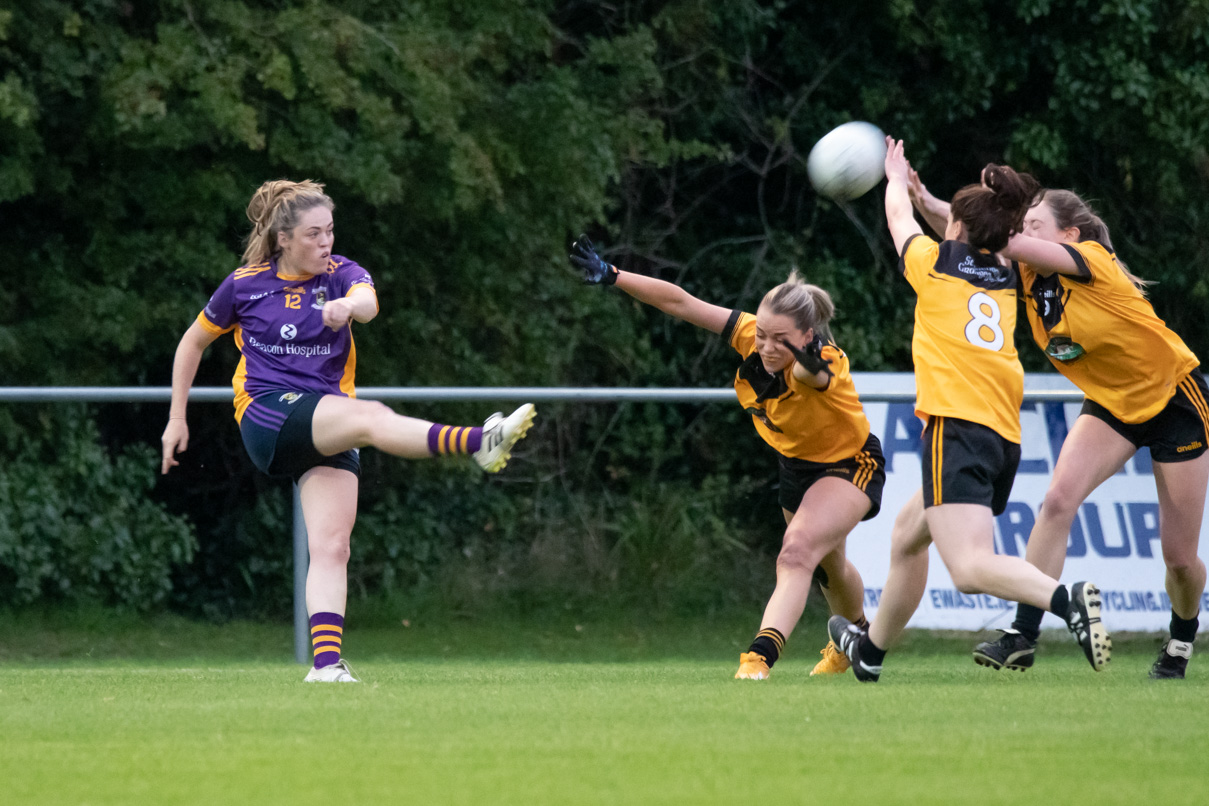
{"type": "Point", "coordinates": [769, 643]}
{"type": "Point", "coordinates": [1059, 603]}
{"type": "Point", "coordinates": [1028, 620]}
{"type": "Point", "coordinates": [1184, 629]}
{"type": "Point", "coordinates": [870, 653]}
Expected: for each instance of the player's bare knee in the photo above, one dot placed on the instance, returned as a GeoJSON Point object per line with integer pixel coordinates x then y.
{"type": "Point", "coordinates": [796, 553]}
{"type": "Point", "coordinates": [966, 577]}
{"type": "Point", "coordinates": [331, 549]}
{"type": "Point", "coordinates": [907, 542]}
{"type": "Point", "coordinates": [1061, 504]}
{"type": "Point", "coordinates": [1184, 566]}
{"type": "Point", "coordinates": [376, 420]}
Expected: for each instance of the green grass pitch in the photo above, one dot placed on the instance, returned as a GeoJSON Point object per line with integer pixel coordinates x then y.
{"type": "Point", "coordinates": [499, 714]}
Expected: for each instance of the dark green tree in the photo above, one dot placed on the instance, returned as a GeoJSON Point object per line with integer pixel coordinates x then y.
{"type": "Point", "coordinates": [465, 144]}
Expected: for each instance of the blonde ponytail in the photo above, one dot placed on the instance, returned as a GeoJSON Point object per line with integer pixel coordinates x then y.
{"type": "Point", "coordinates": [275, 207]}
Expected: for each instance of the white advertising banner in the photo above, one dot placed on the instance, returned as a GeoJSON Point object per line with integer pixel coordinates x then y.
{"type": "Point", "coordinates": [1113, 543]}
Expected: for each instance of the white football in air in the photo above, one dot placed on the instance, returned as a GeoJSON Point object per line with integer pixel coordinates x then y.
{"type": "Point", "coordinates": [848, 161]}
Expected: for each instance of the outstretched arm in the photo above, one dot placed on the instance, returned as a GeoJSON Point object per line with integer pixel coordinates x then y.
{"type": "Point", "coordinates": [674, 301]}
{"type": "Point", "coordinates": [934, 210]}
{"type": "Point", "coordinates": [899, 216]}
{"type": "Point", "coordinates": [667, 297]}
{"type": "Point", "coordinates": [184, 369]}
{"type": "Point", "coordinates": [1043, 257]}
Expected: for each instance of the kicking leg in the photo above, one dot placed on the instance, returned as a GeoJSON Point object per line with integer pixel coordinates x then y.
{"type": "Point", "coordinates": [342, 423]}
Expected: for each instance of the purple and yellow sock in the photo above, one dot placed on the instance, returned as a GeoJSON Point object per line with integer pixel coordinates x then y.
{"type": "Point", "coordinates": [443, 439]}
{"type": "Point", "coordinates": [327, 633]}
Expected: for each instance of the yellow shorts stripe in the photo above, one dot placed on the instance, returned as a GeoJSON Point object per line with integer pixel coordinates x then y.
{"type": "Point", "coordinates": [865, 471]}
{"type": "Point", "coordinates": [870, 469]}
{"type": "Point", "coordinates": [1198, 400]}
{"type": "Point", "coordinates": [937, 459]}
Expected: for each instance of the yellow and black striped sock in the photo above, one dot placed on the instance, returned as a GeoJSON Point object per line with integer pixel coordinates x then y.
{"type": "Point", "coordinates": [769, 643]}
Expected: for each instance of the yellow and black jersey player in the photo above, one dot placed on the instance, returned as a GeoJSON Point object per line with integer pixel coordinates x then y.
{"type": "Point", "coordinates": [796, 385]}
{"type": "Point", "coordinates": [1144, 388]}
{"type": "Point", "coordinates": [969, 386]}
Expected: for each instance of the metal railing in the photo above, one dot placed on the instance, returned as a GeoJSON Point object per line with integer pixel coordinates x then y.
{"type": "Point", "coordinates": [873, 387]}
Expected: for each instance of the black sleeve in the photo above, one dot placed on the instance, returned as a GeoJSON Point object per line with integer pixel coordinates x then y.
{"type": "Point", "coordinates": [902, 258]}
{"type": "Point", "coordinates": [729, 330]}
{"type": "Point", "coordinates": [1084, 275]}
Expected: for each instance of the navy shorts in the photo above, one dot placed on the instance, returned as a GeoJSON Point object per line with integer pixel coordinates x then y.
{"type": "Point", "coordinates": [1175, 434]}
{"type": "Point", "coordinates": [967, 463]}
{"type": "Point", "coordinates": [276, 431]}
{"type": "Point", "coordinates": [867, 470]}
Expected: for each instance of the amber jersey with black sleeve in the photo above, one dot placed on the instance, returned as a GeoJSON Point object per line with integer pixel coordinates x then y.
{"type": "Point", "coordinates": [964, 346]}
{"type": "Point", "coordinates": [1102, 334]}
{"type": "Point", "coordinates": [797, 420]}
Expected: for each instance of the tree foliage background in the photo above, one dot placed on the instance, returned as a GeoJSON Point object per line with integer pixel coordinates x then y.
{"type": "Point", "coordinates": [465, 144]}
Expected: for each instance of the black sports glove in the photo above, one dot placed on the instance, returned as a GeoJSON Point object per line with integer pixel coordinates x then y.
{"type": "Point", "coordinates": [810, 356]}
{"type": "Point", "coordinates": [596, 271]}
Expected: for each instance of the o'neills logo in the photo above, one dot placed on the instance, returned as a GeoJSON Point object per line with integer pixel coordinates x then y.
{"type": "Point", "coordinates": [1186, 448]}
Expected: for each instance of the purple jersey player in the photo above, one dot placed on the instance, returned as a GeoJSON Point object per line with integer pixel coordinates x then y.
{"type": "Point", "coordinates": [291, 307]}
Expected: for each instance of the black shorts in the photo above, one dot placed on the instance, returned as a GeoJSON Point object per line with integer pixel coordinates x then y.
{"type": "Point", "coordinates": [967, 463]}
{"type": "Point", "coordinates": [866, 470]}
{"type": "Point", "coordinates": [276, 431]}
{"type": "Point", "coordinates": [1178, 433]}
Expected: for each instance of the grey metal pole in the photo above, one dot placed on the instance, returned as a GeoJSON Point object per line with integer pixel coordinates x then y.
{"type": "Point", "coordinates": [302, 557]}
